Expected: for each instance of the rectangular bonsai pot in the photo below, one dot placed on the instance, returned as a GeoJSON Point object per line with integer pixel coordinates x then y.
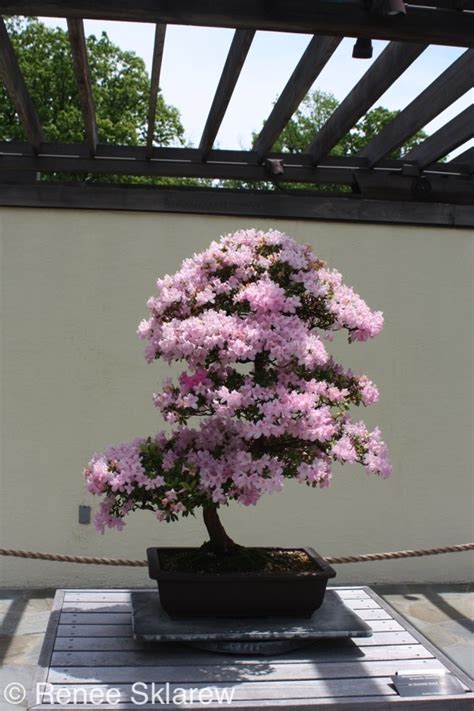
{"type": "Point", "coordinates": [240, 594]}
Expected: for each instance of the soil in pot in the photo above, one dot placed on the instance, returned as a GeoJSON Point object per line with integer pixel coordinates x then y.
{"type": "Point", "coordinates": [240, 560]}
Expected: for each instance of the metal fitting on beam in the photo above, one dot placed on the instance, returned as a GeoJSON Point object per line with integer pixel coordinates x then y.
{"type": "Point", "coordinates": [274, 166]}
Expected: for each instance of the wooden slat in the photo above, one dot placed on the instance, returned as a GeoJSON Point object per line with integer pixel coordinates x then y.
{"type": "Point", "coordinates": [315, 57]}
{"type": "Point", "coordinates": [373, 614]}
{"type": "Point", "coordinates": [249, 691]}
{"type": "Point", "coordinates": [231, 673]}
{"type": "Point", "coordinates": [387, 638]}
{"type": "Point", "coordinates": [105, 606]}
{"type": "Point", "coordinates": [122, 644]}
{"type": "Point", "coordinates": [388, 66]}
{"type": "Point", "coordinates": [236, 56]}
{"type": "Point", "coordinates": [351, 593]}
{"type": "Point", "coordinates": [98, 596]}
{"type": "Point", "coordinates": [160, 34]}
{"type": "Point", "coordinates": [348, 19]}
{"type": "Point", "coordinates": [82, 630]}
{"type": "Point", "coordinates": [94, 618]}
{"type": "Point", "coordinates": [467, 158]}
{"type": "Point", "coordinates": [14, 82]}
{"type": "Point", "coordinates": [360, 603]}
{"type": "Point", "coordinates": [314, 654]}
{"type": "Point", "coordinates": [77, 40]}
{"type": "Point", "coordinates": [384, 625]}
{"type": "Point", "coordinates": [446, 89]}
{"type": "Point", "coordinates": [453, 134]}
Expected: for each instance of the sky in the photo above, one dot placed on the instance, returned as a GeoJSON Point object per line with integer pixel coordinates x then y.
{"type": "Point", "coordinates": [194, 57]}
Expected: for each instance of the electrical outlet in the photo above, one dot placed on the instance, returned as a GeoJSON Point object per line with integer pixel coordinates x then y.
{"type": "Point", "coordinates": [84, 514]}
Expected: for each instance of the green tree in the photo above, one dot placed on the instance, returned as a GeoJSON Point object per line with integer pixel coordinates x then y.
{"type": "Point", "coordinates": [120, 86]}
{"type": "Point", "coordinates": [316, 109]}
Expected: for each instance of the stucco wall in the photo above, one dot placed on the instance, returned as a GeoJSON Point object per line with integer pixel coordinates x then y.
{"type": "Point", "coordinates": [74, 287]}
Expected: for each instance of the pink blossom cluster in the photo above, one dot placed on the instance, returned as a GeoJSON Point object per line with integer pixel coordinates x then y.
{"type": "Point", "coordinates": [248, 316]}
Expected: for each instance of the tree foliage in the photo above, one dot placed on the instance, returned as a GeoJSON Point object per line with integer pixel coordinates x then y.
{"type": "Point", "coordinates": [316, 109]}
{"type": "Point", "coordinates": [121, 88]}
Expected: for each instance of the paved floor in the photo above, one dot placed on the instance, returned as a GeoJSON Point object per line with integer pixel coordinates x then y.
{"type": "Point", "coordinates": [443, 613]}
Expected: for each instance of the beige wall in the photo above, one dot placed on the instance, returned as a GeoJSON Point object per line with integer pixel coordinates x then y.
{"type": "Point", "coordinates": [74, 287]}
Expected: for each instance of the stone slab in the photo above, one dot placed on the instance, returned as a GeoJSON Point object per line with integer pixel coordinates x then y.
{"type": "Point", "coordinates": [333, 619]}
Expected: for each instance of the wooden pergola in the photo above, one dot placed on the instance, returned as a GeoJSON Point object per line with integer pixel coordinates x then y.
{"type": "Point", "coordinates": [421, 188]}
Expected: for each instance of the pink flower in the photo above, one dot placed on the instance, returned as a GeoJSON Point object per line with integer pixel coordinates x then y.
{"type": "Point", "coordinates": [250, 317]}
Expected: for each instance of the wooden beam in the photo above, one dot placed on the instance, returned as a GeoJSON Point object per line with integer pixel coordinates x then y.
{"type": "Point", "coordinates": [101, 164]}
{"type": "Point", "coordinates": [81, 70]}
{"type": "Point", "coordinates": [160, 34]}
{"type": "Point", "coordinates": [233, 65]}
{"type": "Point", "coordinates": [458, 189]}
{"type": "Point", "coordinates": [133, 160]}
{"type": "Point", "coordinates": [435, 188]}
{"type": "Point", "coordinates": [235, 202]}
{"type": "Point", "coordinates": [348, 17]}
{"type": "Point", "coordinates": [447, 88]}
{"type": "Point", "coordinates": [16, 88]}
{"type": "Point", "coordinates": [465, 158]}
{"type": "Point", "coordinates": [388, 66]}
{"type": "Point", "coordinates": [453, 134]}
{"type": "Point", "coordinates": [314, 59]}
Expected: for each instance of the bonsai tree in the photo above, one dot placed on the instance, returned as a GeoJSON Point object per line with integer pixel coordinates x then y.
{"type": "Point", "coordinates": [248, 317]}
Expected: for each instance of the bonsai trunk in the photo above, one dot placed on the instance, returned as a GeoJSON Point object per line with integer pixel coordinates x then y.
{"type": "Point", "coordinates": [220, 541]}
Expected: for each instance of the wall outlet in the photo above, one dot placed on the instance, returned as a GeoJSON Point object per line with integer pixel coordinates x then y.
{"type": "Point", "coordinates": [84, 514]}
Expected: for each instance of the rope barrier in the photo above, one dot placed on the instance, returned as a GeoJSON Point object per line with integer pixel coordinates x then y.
{"type": "Point", "coordinates": [363, 558]}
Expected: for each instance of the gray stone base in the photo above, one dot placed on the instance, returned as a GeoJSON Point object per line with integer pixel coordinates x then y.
{"type": "Point", "coordinates": [245, 636]}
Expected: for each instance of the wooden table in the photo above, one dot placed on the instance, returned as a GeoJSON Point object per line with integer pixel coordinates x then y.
{"type": "Point", "coordinates": [89, 655]}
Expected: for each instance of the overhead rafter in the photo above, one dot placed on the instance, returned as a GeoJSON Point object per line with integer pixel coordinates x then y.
{"type": "Point", "coordinates": [466, 158]}
{"type": "Point", "coordinates": [230, 74]}
{"type": "Point", "coordinates": [447, 88]}
{"type": "Point", "coordinates": [81, 70]}
{"type": "Point", "coordinates": [12, 77]}
{"type": "Point", "coordinates": [160, 34]}
{"type": "Point", "coordinates": [314, 59]}
{"type": "Point", "coordinates": [386, 69]}
{"type": "Point", "coordinates": [453, 134]}
{"type": "Point", "coordinates": [350, 18]}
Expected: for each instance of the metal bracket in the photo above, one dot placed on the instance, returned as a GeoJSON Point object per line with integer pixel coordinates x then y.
{"type": "Point", "coordinates": [274, 166]}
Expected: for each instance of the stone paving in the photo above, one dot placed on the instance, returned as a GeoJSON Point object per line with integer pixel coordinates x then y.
{"type": "Point", "coordinates": [443, 613]}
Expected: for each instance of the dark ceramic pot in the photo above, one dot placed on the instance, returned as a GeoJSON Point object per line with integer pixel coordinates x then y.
{"type": "Point", "coordinates": [240, 594]}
